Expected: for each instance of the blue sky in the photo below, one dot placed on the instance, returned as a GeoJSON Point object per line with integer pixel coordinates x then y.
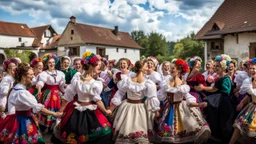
{"type": "Point", "coordinates": [174, 19]}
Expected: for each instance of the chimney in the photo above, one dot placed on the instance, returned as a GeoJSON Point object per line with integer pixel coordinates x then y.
{"type": "Point", "coordinates": [116, 30]}
{"type": "Point", "coordinates": [73, 19]}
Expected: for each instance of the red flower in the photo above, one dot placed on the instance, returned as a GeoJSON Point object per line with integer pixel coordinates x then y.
{"type": "Point", "coordinates": [179, 62]}
{"type": "Point", "coordinates": [93, 60]}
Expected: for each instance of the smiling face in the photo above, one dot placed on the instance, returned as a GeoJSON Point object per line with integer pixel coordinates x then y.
{"type": "Point", "coordinates": [166, 67]}
{"type": "Point", "coordinates": [218, 68]}
{"type": "Point", "coordinates": [78, 64]}
{"type": "Point", "coordinates": [151, 65]}
{"type": "Point", "coordinates": [145, 68]}
{"type": "Point", "coordinates": [96, 69]}
{"type": "Point", "coordinates": [29, 76]}
{"type": "Point", "coordinates": [123, 65]}
{"type": "Point", "coordinates": [39, 67]}
{"type": "Point", "coordinates": [253, 70]}
{"type": "Point", "coordinates": [197, 66]}
{"type": "Point", "coordinates": [231, 67]}
{"type": "Point", "coordinates": [174, 71]}
{"type": "Point", "coordinates": [209, 65]}
{"type": "Point", "coordinates": [51, 64]}
{"type": "Point", "coordinates": [65, 64]}
{"type": "Point", "coordinates": [11, 68]}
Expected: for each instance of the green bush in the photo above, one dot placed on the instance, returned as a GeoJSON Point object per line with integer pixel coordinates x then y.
{"type": "Point", "coordinates": [22, 54]}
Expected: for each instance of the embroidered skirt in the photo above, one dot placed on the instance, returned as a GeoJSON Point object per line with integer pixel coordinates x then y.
{"type": "Point", "coordinates": [180, 124]}
{"type": "Point", "coordinates": [83, 124]}
{"type": "Point", "coordinates": [21, 127]}
{"type": "Point", "coordinates": [51, 99]}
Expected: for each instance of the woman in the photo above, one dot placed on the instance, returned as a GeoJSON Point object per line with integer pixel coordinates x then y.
{"type": "Point", "coordinates": [165, 68]}
{"type": "Point", "coordinates": [53, 82]}
{"type": "Point", "coordinates": [220, 111]}
{"type": "Point", "coordinates": [152, 63]}
{"type": "Point", "coordinates": [245, 122]}
{"type": "Point", "coordinates": [22, 127]}
{"type": "Point", "coordinates": [179, 122]}
{"type": "Point", "coordinates": [67, 70]}
{"type": "Point", "coordinates": [83, 121]}
{"type": "Point", "coordinates": [195, 78]}
{"type": "Point", "coordinates": [209, 75]}
{"type": "Point", "coordinates": [37, 65]}
{"type": "Point", "coordinates": [7, 83]}
{"type": "Point", "coordinates": [77, 65]}
{"type": "Point", "coordinates": [131, 124]}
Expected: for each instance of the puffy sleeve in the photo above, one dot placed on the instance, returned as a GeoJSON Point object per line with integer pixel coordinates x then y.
{"type": "Point", "coordinates": [226, 85]}
{"type": "Point", "coordinates": [76, 76]}
{"type": "Point", "coordinates": [161, 93]}
{"type": "Point", "coordinates": [5, 86]}
{"type": "Point", "coordinates": [29, 100]}
{"type": "Point", "coordinates": [205, 74]}
{"type": "Point", "coordinates": [156, 77]}
{"type": "Point", "coordinates": [190, 99]}
{"type": "Point", "coordinates": [182, 88]}
{"type": "Point", "coordinates": [246, 85]}
{"type": "Point", "coordinates": [96, 90]}
{"type": "Point", "coordinates": [62, 81]}
{"type": "Point", "coordinates": [151, 93]}
{"type": "Point", "coordinates": [240, 76]}
{"type": "Point", "coordinates": [42, 79]}
{"type": "Point", "coordinates": [122, 89]}
{"type": "Point", "coordinates": [71, 91]}
{"type": "Point", "coordinates": [201, 79]}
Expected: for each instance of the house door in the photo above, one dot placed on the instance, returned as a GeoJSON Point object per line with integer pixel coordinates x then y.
{"type": "Point", "coordinates": [252, 50]}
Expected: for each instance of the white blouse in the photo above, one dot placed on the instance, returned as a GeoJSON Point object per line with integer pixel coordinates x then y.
{"type": "Point", "coordinates": [5, 85]}
{"type": "Point", "coordinates": [21, 100]}
{"type": "Point", "coordinates": [155, 77]}
{"type": "Point", "coordinates": [136, 91]}
{"type": "Point", "coordinates": [35, 80]}
{"type": "Point", "coordinates": [180, 92]}
{"type": "Point", "coordinates": [46, 77]}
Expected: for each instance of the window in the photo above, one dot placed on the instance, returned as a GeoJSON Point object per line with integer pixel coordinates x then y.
{"type": "Point", "coordinates": [20, 40]}
{"type": "Point", "coordinates": [101, 51]}
{"type": "Point", "coordinates": [237, 39]}
{"type": "Point", "coordinates": [72, 31]}
{"type": "Point", "coordinates": [71, 38]}
{"type": "Point", "coordinates": [117, 49]}
{"type": "Point", "coordinates": [47, 33]}
{"type": "Point", "coordinates": [74, 51]}
{"type": "Point", "coordinates": [125, 50]}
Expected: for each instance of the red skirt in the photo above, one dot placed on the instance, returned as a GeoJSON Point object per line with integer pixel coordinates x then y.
{"type": "Point", "coordinates": [20, 128]}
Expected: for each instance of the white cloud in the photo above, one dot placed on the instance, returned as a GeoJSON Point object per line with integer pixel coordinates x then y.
{"type": "Point", "coordinates": [167, 17]}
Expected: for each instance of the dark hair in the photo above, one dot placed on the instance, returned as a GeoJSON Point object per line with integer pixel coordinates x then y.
{"type": "Point", "coordinates": [87, 66]}
{"type": "Point", "coordinates": [138, 66]}
{"type": "Point", "coordinates": [21, 70]}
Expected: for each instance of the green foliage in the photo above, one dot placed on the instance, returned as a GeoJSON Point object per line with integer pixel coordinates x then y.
{"type": "Point", "coordinates": [22, 54]}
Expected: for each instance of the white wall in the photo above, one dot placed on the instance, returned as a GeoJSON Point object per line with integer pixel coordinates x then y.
{"type": "Point", "coordinates": [132, 54]}
{"type": "Point", "coordinates": [238, 50]}
{"type": "Point", "coordinates": [13, 41]}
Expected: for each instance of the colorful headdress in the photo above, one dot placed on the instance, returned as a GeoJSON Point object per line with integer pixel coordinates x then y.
{"type": "Point", "coordinates": [18, 60]}
{"type": "Point", "coordinates": [113, 61]}
{"type": "Point", "coordinates": [224, 60]}
{"type": "Point", "coordinates": [193, 59]}
{"type": "Point", "coordinates": [252, 61]}
{"type": "Point", "coordinates": [153, 59]}
{"type": "Point", "coordinates": [118, 76]}
{"type": "Point", "coordinates": [65, 57]}
{"type": "Point", "coordinates": [35, 61]}
{"type": "Point", "coordinates": [89, 58]}
{"type": "Point", "coordinates": [7, 62]}
{"type": "Point", "coordinates": [47, 56]}
{"type": "Point", "coordinates": [181, 64]}
{"type": "Point", "coordinates": [105, 61]}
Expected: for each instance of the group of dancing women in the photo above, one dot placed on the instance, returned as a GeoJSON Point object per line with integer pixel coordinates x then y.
{"type": "Point", "coordinates": [96, 101]}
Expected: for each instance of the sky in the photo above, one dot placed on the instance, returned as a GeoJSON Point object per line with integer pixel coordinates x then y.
{"type": "Point", "coordinates": [175, 19]}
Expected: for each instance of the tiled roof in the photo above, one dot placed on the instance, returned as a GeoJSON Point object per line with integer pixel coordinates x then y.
{"type": "Point", "coordinates": [54, 42]}
{"type": "Point", "coordinates": [39, 31]}
{"type": "Point", "coordinates": [15, 29]}
{"type": "Point", "coordinates": [104, 36]}
{"type": "Point", "coordinates": [231, 17]}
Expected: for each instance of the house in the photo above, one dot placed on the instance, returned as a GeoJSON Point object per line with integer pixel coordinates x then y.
{"type": "Point", "coordinates": [15, 36]}
{"type": "Point", "coordinates": [231, 30]}
{"type": "Point", "coordinates": [46, 39]}
{"type": "Point", "coordinates": [110, 43]}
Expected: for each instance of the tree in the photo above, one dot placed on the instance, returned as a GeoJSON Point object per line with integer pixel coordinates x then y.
{"type": "Point", "coordinates": [23, 55]}
{"type": "Point", "coordinates": [141, 40]}
{"type": "Point", "coordinates": [157, 45]}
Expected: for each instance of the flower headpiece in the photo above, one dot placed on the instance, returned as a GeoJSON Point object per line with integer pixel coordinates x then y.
{"type": "Point", "coordinates": [65, 57]}
{"type": "Point", "coordinates": [131, 64]}
{"type": "Point", "coordinates": [89, 58]}
{"type": "Point", "coordinates": [224, 60]}
{"type": "Point", "coordinates": [113, 61]}
{"type": "Point", "coordinates": [181, 64]}
{"type": "Point", "coordinates": [153, 59]}
{"type": "Point", "coordinates": [7, 62]}
{"type": "Point", "coordinates": [252, 61]}
{"type": "Point", "coordinates": [118, 76]}
{"type": "Point", "coordinates": [47, 56]}
{"type": "Point", "coordinates": [105, 61]}
{"type": "Point", "coordinates": [18, 60]}
{"type": "Point", "coordinates": [193, 59]}
{"type": "Point", "coordinates": [35, 61]}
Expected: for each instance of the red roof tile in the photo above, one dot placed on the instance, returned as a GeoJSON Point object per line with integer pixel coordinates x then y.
{"type": "Point", "coordinates": [104, 36]}
{"type": "Point", "coordinates": [234, 16]}
{"type": "Point", "coordinates": [15, 29]}
{"type": "Point", "coordinates": [54, 42]}
{"type": "Point", "coordinates": [39, 31]}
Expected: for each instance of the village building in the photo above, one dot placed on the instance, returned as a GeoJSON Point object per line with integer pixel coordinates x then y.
{"type": "Point", "coordinates": [231, 30]}
{"type": "Point", "coordinates": [109, 43]}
